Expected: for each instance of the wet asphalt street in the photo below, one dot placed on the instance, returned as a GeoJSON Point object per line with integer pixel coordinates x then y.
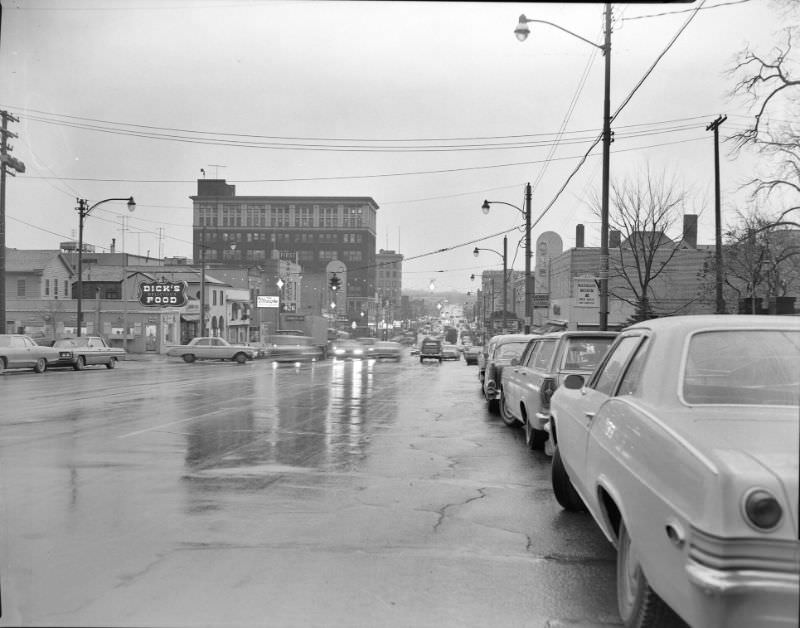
{"type": "Point", "coordinates": [335, 494]}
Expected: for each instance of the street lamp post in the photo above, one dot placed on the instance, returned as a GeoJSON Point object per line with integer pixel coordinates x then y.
{"type": "Point", "coordinates": [504, 255]}
{"type": "Point", "coordinates": [84, 210]}
{"type": "Point", "coordinates": [530, 286]}
{"type": "Point", "coordinates": [522, 31]}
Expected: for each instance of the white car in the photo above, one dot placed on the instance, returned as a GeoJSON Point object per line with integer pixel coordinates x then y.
{"type": "Point", "coordinates": [212, 348]}
{"type": "Point", "coordinates": [683, 446]}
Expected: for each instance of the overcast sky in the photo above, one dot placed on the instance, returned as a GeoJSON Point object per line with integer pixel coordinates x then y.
{"type": "Point", "coordinates": [421, 106]}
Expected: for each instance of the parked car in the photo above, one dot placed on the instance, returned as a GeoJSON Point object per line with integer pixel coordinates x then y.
{"type": "Point", "coordinates": [683, 447]}
{"type": "Point", "coordinates": [430, 349]}
{"type": "Point", "coordinates": [343, 349]}
{"type": "Point", "coordinates": [450, 352]}
{"type": "Point", "coordinates": [502, 349]}
{"type": "Point", "coordinates": [386, 350]}
{"type": "Point", "coordinates": [18, 351]}
{"type": "Point", "coordinates": [471, 353]}
{"type": "Point", "coordinates": [212, 348]}
{"type": "Point", "coordinates": [290, 348]}
{"type": "Point", "coordinates": [482, 359]}
{"type": "Point", "coordinates": [530, 381]}
{"type": "Point", "coordinates": [86, 351]}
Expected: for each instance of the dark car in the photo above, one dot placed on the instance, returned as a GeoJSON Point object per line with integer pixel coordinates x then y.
{"type": "Point", "coordinates": [502, 349]}
{"type": "Point", "coordinates": [430, 349]}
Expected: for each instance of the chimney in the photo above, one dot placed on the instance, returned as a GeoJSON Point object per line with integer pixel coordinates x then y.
{"type": "Point", "coordinates": [579, 237]}
{"type": "Point", "coordinates": [614, 238]}
{"type": "Point", "coordinates": [690, 230]}
{"type": "Point", "coordinates": [113, 245]}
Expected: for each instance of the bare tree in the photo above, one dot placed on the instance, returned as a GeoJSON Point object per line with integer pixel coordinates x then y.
{"type": "Point", "coordinates": [643, 211]}
{"type": "Point", "coordinates": [762, 257]}
{"type": "Point", "coordinates": [767, 83]}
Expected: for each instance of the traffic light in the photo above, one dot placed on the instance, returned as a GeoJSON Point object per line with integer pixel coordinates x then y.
{"type": "Point", "coordinates": [335, 282]}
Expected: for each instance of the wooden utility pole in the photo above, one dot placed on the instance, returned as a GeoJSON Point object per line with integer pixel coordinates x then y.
{"type": "Point", "coordinates": [7, 165]}
{"type": "Point", "coordinates": [714, 126]}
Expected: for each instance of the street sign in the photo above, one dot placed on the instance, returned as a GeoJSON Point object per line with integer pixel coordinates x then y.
{"type": "Point", "coordinates": [162, 293]}
{"type": "Point", "coordinates": [586, 292]}
{"type": "Point", "coordinates": [264, 300]}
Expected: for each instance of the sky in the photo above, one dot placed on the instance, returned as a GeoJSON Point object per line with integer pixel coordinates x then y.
{"type": "Point", "coordinates": [427, 107]}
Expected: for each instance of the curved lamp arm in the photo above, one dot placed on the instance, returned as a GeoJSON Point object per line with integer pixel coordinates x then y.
{"type": "Point", "coordinates": [522, 31]}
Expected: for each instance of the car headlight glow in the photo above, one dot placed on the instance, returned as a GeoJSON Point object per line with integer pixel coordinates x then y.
{"type": "Point", "coordinates": [358, 351]}
{"type": "Point", "coordinates": [338, 351]}
{"type": "Point", "coordinates": [762, 509]}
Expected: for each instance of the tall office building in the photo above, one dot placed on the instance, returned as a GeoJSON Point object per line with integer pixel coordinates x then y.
{"type": "Point", "coordinates": [323, 234]}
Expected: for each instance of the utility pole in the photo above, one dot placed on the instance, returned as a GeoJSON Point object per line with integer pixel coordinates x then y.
{"type": "Point", "coordinates": [606, 174]}
{"type": "Point", "coordinates": [530, 287]}
{"type": "Point", "coordinates": [714, 126]}
{"type": "Point", "coordinates": [6, 162]}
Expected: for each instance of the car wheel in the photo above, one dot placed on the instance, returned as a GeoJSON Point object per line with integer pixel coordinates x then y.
{"type": "Point", "coordinates": [493, 406]}
{"type": "Point", "coordinates": [2, 365]}
{"type": "Point", "coordinates": [241, 358]}
{"type": "Point", "coordinates": [440, 360]}
{"type": "Point", "coordinates": [508, 418]}
{"type": "Point", "coordinates": [80, 363]}
{"type": "Point", "coordinates": [188, 357]}
{"type": "Point", "coordinates": [41, 366]}
{"type": "Point", "coordinates": [565, 492]}
{"type": "Point", "coordinates": [112, 363]}
{"type": "Point", "coordinates": [420, 360]}
{"type": "Point", "coordinates": [639, 606]}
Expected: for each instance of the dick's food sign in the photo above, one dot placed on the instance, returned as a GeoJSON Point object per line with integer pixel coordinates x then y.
{"type": "Point", "coordinates": [163, 293]}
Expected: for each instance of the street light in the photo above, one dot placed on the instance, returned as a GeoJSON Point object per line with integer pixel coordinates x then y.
{"type": "Point", "coordinates": [84, 210]}
{"type": "Point", "coordinates": [530, 287]}
{"type": "Point", "coordinates": [504, 255]}
{"type": "Point", "coordinates": [522, 31]}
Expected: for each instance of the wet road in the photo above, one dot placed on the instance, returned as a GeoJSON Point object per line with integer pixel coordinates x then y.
{"type": "Point", "coordinates": [339, 494]}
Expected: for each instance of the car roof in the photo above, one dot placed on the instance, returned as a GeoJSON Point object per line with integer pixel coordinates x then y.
{"type": "Point", "coordinates": [722, 321]}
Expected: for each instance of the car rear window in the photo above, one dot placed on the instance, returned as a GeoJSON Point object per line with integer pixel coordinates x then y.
{"type": "Point", "coordinates": [584, 353]}
{"type": "Point", "coordinates": [743, 367]}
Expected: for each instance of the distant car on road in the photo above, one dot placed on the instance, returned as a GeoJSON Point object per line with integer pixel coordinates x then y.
{"type": "Point", "coordinates": [430, 349]}
{"type": "Point", "coordinates": [290, 348]}
{"type": "Point", "coordinates": [683, 447]}
{"type": "Point", "coordinates": [86, 351]}
{"type": "Point", "coordinates": [343, 349]}
{"type": "Point", "coordinates": [18, 351]}
{"type": "Point", "coordinates": [386, 350]}
{"type": "Point", "coordinates": [450, 352]}
{"type": "Point", "coordinates": [212, 348]}
{"type": "Point", "coordinates": [530, 381]}
{"type": "Point", "coordinates": [471, 353]}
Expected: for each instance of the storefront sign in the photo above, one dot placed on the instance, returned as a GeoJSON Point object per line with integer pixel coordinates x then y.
{"type": "Point", "coordinates": [267, 301]}
{"type": "Point", "coordinates": [163, 293]}
{"type": "Point", "coordinates": [586, 292]}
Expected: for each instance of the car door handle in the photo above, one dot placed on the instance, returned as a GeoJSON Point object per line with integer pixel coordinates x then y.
{"type": "Point", "coordinates": [589, 415]}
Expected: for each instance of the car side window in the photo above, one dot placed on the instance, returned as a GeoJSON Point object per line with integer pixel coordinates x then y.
{"type": "Point", "coordinates": [16, 341]}
{"type": "Point", "coordinates": [544, 354]}
{"type": "Point", "coordinates": [202, 342]}
{"type": "Point", "coordinates": [615, 362]}
{"type": "Point", "coordinates": [527, 359]}
{"type": "Point", "coordinates": [629, 384]}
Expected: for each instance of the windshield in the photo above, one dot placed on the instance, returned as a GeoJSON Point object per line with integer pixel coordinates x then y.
{"type": "Point", "coordinates": [750, 367]}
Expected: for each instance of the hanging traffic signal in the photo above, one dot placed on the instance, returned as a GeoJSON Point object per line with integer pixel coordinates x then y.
{"type": "Point", "coordinates": [335, 282]}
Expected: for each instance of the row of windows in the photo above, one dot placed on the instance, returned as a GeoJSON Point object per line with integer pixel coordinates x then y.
{"type": "Point", "coordinates": [280, 216]}
{"type": "Point", "coordinates": [225, 254]}
{"type": "Point", "coordinates": [238, 236]}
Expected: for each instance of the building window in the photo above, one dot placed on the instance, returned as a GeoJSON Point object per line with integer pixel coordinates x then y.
{"type": "Point", "coordinates": [327, 256]}
{"type": "Point", "coordinates": [66, 289]}
{"type": "Point", "coordinates": [47, 287]}
{"type": "Point", "coordinates": [329, 217]}
{"type": "Point", "coordinates": [352, 217]}
{"type": "Point", "coordinates": [280, 216]}
{"type": "Point", "coordinates": [208, 216]}
{"type": "Point", "coordinates": [351, 256]}
{"type": "Point", "coordinates": [20, 287]}
{"type": "Point", "coordinates": [231, 216]}
{"type": "Point", "coordinates": [256, 216]}
{"type": "Point", "coordinates": [305, 217]}
{"type": "Point", "coordinates": [305, 256]}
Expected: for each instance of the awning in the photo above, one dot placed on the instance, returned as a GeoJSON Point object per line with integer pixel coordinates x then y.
{"type": "Point", "coordinates": [191, 318]}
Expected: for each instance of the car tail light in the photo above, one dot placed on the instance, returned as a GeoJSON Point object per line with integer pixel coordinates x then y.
{"type": "Point", "coordinates": [762, 509]}
{"type": "Point", "coordinates": [547, 390]}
